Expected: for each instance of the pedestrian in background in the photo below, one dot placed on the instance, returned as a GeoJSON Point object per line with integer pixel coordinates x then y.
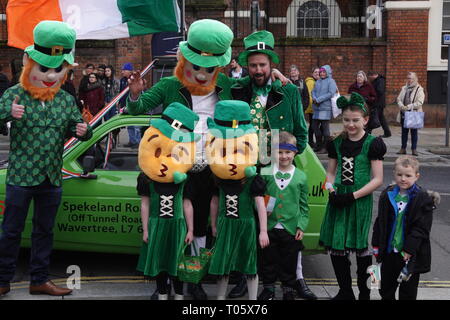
{"type": "Point", "coordinates": [70, 88]}
{"type": "Point", "coordinates": [85, 80]}
{"type": "Point", "coordinates": [236, 71]}
{"type": "Point", "coordinates": [379, 84]}
{"type": "Point", "coordinates": [16, 71]}
{"type": "Point", "coordinates": [411, 98]}
{"type": "Point", "coordinates": [324, 90]}
{"type": "Point", "coordinates": [94, 96]}
{"type": "Point", "coordinates": [310, 82]}
{"type": "Point", "coordinates": [101, 72]}
{"type": "Point", "coordinates": [134, 133]}
{"type": "Point", "coordinates": [4, 81]}
{"type": "Point", "coordinates": [401, 232]}
{"type": "Point", "coordinates": [354, 172]}
{"type": "Point", "coordinates": [112, 88]}
{"type": "Point", "coordinates": [4, 84]}
{"type": "Point", "coordinates": [366, 90]}
{"type": "Point", "coordinates": [294, 76]}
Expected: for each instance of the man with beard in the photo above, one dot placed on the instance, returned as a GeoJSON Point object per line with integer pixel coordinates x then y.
{"type": "Point", "coordinates": [42, 116]}
{"type": "Point", "coordinates": [272, 106]}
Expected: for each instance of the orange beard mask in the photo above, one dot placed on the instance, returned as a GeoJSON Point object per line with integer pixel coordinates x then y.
{"type": "Point", "coordinates": [42, 94]}
{"type": "Point", "coordinates": [193, 88]}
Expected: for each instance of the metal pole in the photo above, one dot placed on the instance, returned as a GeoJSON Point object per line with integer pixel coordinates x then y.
{"type": "Point", "coordinates": [447, 118]}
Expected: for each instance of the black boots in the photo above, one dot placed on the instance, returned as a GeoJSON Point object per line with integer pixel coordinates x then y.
{"type": "Point", "coordinates": [363, 263]}
{"type": "Point", "coordinates": [197, 292]}
{"type": "Point", "coordinates": [303, 290]}
{"type": "Point", "coordinates": [341, 266]}
{"type": "Point", "coordinates": [240, 289]}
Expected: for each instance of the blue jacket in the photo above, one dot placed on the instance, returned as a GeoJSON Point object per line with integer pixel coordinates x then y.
{"type": "Point", "coordinates": [323, 91]}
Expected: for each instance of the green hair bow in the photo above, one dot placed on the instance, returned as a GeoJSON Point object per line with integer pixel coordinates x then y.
{"type": "Point", "coordinates": [355, 100]}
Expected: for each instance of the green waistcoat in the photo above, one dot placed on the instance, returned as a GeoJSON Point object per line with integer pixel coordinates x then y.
{"type": "Point", "coordinates": [37, 139]}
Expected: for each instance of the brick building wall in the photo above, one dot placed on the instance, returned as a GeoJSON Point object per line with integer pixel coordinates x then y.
{"type": "Point", "coordinates": [403, 49]}
{"type": "Point", "coordinates": [406, 50]}
{"type": "Point", "coordinates": [345, 59]}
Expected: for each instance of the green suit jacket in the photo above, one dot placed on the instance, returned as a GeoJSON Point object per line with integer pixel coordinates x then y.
{"type": "Point", "coordinates": [291, 206]}
{"type": "Point", "coordinates": [170, 89]}
{"type": "Point", "coordinates": [284, 109]}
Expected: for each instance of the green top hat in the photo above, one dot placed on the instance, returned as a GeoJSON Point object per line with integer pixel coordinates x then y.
{"type": "Point", "coordinates": [53, 43]}
{"type": "Point", "coordinates": [177, 123]}
{"type": "Point", "coordinates": [259, 41]}
{"type": "Point", "coordinates": [231, 119]}
{"type": "Point", "coordinates": [208, 44]}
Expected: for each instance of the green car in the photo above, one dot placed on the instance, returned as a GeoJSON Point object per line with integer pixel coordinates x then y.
{"type": "Point", "coordinates": [100, 209]}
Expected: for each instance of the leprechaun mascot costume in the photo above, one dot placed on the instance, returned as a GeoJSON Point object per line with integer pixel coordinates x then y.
{"type": "Point", "coordinates": [198, 84]}
{"type": "Point", "coordinates": [42, 116]}
{"type": "Point", "coordinates": [166, 153]}
{"type": "Point", "coordinates": [232, 152]}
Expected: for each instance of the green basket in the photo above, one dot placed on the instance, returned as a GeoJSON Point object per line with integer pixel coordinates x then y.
{"type": "Point", "coordinates": [193, 268]}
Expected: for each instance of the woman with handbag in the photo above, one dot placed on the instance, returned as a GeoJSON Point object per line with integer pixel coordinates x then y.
{"type": "Point", "coordinates": [411, 98]}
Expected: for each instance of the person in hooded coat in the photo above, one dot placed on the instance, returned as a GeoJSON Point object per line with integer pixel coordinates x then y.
{"type": "Point", "coordinates": [323, 91]}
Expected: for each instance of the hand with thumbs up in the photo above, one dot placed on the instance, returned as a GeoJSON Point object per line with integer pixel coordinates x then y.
{"type": "Point", "coordinates": [17, 110]}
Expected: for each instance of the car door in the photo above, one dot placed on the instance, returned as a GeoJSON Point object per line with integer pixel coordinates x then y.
{"type": "Point", "coordinates": [101, 211]}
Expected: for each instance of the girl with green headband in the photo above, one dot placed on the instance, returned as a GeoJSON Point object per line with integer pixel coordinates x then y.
{"type": "Point", "coordinates": [354, 172]}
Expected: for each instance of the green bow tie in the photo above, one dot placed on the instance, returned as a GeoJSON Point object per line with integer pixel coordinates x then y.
{"type": "Point", "coordinates": [262, 91]}
{"type": "Point", "coordinates": [281, 175]}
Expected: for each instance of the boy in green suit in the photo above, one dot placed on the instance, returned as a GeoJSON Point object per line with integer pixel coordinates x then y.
{"type": "Point", "coordinates": [287, 206]}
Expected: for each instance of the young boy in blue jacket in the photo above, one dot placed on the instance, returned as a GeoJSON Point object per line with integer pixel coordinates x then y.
{"type": "Point", "coordinates": [401, 233]}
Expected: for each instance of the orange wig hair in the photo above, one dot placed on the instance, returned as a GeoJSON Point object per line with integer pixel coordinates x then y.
{"type": "Point", "coordinates": [194, 89]}
{"type": "Point", "coordinates": [42, 94]}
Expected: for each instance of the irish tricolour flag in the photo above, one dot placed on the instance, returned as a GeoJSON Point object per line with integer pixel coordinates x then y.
{"type": "Point", "coordinates": [92, 19]}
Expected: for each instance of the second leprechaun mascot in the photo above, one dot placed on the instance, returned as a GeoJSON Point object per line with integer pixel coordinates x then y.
{"type": "Point", "coordinates": [166, 153]}
{"type": "Point", "coordinates": [198, 84]}
{"type": "Point", "coordinates": [232, 151]}
{"type": "Point", "coordinates": [42, 116]}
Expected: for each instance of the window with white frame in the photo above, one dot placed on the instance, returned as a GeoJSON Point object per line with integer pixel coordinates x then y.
{"type": "Point", "coordinates": [445, 27]}
{"type": "Point", "coordinates": [313, 20]}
